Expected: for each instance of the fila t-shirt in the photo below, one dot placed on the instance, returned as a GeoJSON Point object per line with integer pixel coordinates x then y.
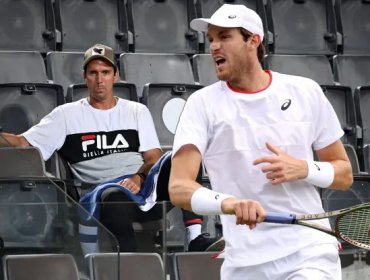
{"type": "Point", "coordinates": [98, 144]}
{"type": "Point", "coordinates": [230, 129]}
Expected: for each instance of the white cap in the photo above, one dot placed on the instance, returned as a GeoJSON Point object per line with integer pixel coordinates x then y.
{"type": "Point", "coordinates": [231, 16]}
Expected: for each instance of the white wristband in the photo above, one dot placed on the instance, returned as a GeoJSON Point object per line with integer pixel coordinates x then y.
{"type": "Point", "coordinates": [320, 173]}
{"type": "Point", "coordinates": [207, 202]}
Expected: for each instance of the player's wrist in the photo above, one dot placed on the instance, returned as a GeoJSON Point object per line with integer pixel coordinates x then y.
{"type": "Point", "coordinates": [320, 173]}
{"type": "Point", "coordinates": [207, 202]}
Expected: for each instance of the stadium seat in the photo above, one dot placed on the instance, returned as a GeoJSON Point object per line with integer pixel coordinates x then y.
{"type": "Point", "coordinates": [165, 102]}
{"type": "Point", "coordinates": [196, 266]}
{"type": "Point", "coordinates": [40, 266]}
{"type": "Point", "coordinates": [25, 104]}
{"type": "Point", "coordinates": [205, 9]}
{"type": "Point", "coordinates": [143, 68]}
{"type": "Point", "coordinates": [85, 23]}
{"type": "Point", "coordinates": [340, 97]}
{"type": "Point", "coordinates": [352, 70]}
{"type": "Point", "coordinates": [123, 90]}
{"type": "Point", "coordinates": [162, 26]}
{"type": "Point", "coordinates": [355, 33]}
{"type": "Point", "coordinates": [204, 69]}
{"type": "Point", "coordinates": [22, 66]}
{"type": "Point", "coordinates": [133, 266]}
{"type": "Point", "coordinates": [302, 26]}
{"type": "Point", "coordinates": [316, 67]}
{"type": "Point", "coordinates": [65, 68]}
{"type": "Point", "coordinates": [27, 25]}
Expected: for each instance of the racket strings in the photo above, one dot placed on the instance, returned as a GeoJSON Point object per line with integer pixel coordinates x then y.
{"type": "Point", "coordinates": [355, 225]}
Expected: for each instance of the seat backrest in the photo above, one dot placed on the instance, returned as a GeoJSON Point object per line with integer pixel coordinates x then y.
{"type": "Point", "coordinates": [302, 26]}
{"type": "Point", "coordinates": [24, 105]}
{"type": "Point", "coordinates": [27, 25]}
{"type": "Point", "coordinates": [206, 8]}
{"type": "Point", "coordinates": [133, 266]}
{"type": "Point", "coordinates": [316, 67]}
{"type": "Point", "coordinates": [65, 68]}
{"type": "Point", "coordinates": [353, 158]}
{"type": "Point", "coordinates": [362, 103]}
{"type": "Point", "coordinates": [196, 266]}
{"type": "Point", "coordinates": [40, 266]}
{"type": "Point", "coordinates": [21, 162]}
{"type": "Point", "coordinates": [355, 33]}
{"type": "Point", "coordinates": [140, 69]}
{"type": "Point", "coordinates": [162, 26]}
{"type": "Point", "coordinates": [85, 23]}
{"type": "Point", "coordinates": [352, 70]}
{"type": "Point", "coordinates": [204, 69]}
{"type": "Point", "coordinates": [22, 66]}
{"type": "Point", "coordinates": [166, 102]}
{"type": "Point", "coordinates": [121, 90]}
{"type": "Point", "coordinates": [340, 97]}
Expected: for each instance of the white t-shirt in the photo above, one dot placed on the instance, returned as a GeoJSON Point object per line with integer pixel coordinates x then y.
{"type": "Point", "coordinates": [230, 130]}
{"type": "Point", "coordinates": [100, 145]}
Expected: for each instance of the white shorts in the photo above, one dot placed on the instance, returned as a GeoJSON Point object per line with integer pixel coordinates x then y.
{"type": "Point", "coordinates": [319, 262]}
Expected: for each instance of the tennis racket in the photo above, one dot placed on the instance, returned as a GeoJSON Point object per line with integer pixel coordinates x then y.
{"type": "Point", "coordinates": [351, 224]}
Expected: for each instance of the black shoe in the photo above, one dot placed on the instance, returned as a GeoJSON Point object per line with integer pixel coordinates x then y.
{"type": "Point", "coordinates": [205, 243]}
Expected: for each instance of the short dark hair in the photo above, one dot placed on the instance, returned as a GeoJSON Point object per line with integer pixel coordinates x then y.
{"type": "Point", "coordinates": [261, 51]}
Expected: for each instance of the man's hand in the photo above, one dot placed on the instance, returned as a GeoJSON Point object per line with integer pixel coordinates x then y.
{"type": "Point", "coordinates": [282, 167]}
{"type": "Point", "coordinates": [133, 184]}
{"type": "Point", "coordinates": [247, 212]}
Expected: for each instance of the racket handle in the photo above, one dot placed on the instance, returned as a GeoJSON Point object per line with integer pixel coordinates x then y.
{"type": "Point", "coordinates": [279, 218]}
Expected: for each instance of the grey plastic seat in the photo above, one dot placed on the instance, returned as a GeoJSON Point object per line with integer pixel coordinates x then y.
{"type": "Point", "coordinates": [196, 266]}
{"type": "Point", "coordinates": [133, 266]}
{"type": "Point", "coordinates": [166, 102]}
{"type": "Point", "coordinates": [302, 26]}
{"type": "Point", "coordinates": [143, 68]}
{"type": "Point", "coordinates": [27, 25]}
{"type": "Point", "coordinates": [162, 26]}
{"type": "Point", "coordinates": [352, 70]}
{"type": "Point", "coordinates": [65, 68]}
{"type": "Point", "coordinates": [85, 23]}
{"type": "Point", "coordinates": [204, 69]}
{"type": "Point", "coordinates": [355, 33]}
{"type": "Point", "coordinates": [316, 67]}
{"type": "Point", "coordinates": [40, 267]}
{"type": "Point", "coordinates": [22, 66]}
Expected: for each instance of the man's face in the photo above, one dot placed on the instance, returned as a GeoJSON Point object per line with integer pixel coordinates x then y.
{"type": "Point", "coordinates": [99, 78]}
{"type": "Point", "coordinates": [231, 53]}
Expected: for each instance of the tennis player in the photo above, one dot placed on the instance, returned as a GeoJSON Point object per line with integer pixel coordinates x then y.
{"type": "Point", "coordinates": [255, 131]}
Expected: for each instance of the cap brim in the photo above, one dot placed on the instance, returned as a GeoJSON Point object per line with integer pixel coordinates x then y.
{"type": "Point", "coordinates": [200, 24]}
{"type": "Point", "coordinates": [98, 57]}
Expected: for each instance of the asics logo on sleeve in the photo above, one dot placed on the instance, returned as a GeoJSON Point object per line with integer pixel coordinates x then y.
{"type": "Point", "coordinates": [286, 104]}
{"type": "Point", "coordinates": [318, 167]}
{"type": "Point", "coordinates": [217, 196]}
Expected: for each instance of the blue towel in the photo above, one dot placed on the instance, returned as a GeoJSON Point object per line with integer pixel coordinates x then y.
{"type": "Point", "coordinates": [90, 202]}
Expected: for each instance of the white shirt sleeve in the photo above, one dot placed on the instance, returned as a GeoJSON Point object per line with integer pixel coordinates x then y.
{"type": "Point", "coordinates": [147, 134]}
{"type": "Point", "coordinates": [327, 126]}
{"type": "Point", "coordinates": [193, 126]}
{"type": "Point", "coordinates": [49, 134]}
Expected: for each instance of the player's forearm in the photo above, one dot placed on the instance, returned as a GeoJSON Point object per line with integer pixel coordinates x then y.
{"type": "Point", "coordinates": [343, 178]}
{"type": "Point", "coordinates": [181, 191]}
{"type": "Point", "coordinates": [12, 140]}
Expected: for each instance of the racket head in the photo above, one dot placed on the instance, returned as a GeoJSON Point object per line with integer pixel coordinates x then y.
{"type": "Point", "coordinates": [353, 226]}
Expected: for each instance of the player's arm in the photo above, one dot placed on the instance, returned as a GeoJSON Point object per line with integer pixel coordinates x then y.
{"type": "Point", "coordinates": [186, 193]}
{"type": "Point", "coordinates": [332, 170]}
{"type": "Point", "coordinates": [336, 155]}
{"type": "Point", "coordinates": [12, 140]}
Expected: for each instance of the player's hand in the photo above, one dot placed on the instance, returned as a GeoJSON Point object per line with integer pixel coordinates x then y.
{"type": "Point", "coordinates": [247, 212]}
{"type": "Point", "coordinates": [133, 184]}
{"type": "Point", "coordinates": [281, 167]}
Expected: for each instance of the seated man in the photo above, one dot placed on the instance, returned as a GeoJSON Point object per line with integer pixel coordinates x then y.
{"type": "Point", "coordinates": [103, 137]}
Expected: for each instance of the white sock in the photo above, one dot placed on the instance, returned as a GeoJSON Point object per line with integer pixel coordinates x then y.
{"type": "Point", "coordinates": [193, 232]}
